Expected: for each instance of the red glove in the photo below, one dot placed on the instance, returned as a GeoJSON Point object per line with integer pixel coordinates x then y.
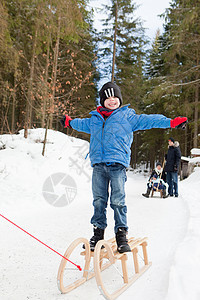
{"type": "Point", "coordinates": [179, 122]}
{"type": "Point", "coordinates": [66, 121]}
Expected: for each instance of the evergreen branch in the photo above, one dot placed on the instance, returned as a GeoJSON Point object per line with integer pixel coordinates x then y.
{"type": "Point", "coordinates": [182, 84]}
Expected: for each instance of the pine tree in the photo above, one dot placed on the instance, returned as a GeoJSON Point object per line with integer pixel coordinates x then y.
{"type": "Point", "coordinates": [172, 78]}
{"type": "Point", "coordinates": [123, 49]}
{"type": "Point", "coordinates": [182, 34]}
{"type": "Point", "coordinates": [51, 53]}
{"type": "Point", "coordinates": [153, 142]}
{"type": "Point", "coordinates": [8, 66]}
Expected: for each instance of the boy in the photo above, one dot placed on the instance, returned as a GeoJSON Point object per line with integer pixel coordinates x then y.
{"type": "Point", "coordinates": [111, 129]}
{"type": "Point", "coordinates": [156, 180]}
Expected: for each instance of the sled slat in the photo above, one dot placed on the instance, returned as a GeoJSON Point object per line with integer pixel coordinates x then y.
{"type": "Point", "coordinates": [135, 259]}
{"type": "Point", "coordinates": [124, 268]}
{"type": "Point", "coordinates": [144, 248]}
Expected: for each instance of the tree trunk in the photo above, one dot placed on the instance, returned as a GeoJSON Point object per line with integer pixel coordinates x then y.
{"type": "Point", "coordinates": [13, 107]}
{"type": "Point", "coordinates": [29, 100]}
{"type": "Point", "coordinates": [30, 94]}
{"type": "Point", "coordinates": [46, 94]}
{"type": "Point", "coordinates": [26, 120]}
{"type": "Point", "coordinates": [196, 114]}
{"type": "Point", "coordinates": [135, 153]}
{"type": "Point", "coordinates": [45, 136]}
{"type": "Point", "coordinates": [5, 120]}
{"type": "Point", "coordinates": [115, 41]}
{"type": "Point", "coordinates": [196, 108]}
{"type": "Point", "coordinates": [54, 75]}
{"type": "Point", "coordinates": [185, 142]}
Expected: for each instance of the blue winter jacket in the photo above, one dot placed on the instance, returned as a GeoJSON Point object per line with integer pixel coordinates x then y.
{"type": "Point", "coordinates": [110, 139]}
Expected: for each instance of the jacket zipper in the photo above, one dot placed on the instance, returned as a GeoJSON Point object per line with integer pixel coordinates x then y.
{"type": "Point", "coordinates": [102, 139]}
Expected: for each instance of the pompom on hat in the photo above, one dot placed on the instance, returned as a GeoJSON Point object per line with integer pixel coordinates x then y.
{"type": "Point", "coordinates": [110, 89]}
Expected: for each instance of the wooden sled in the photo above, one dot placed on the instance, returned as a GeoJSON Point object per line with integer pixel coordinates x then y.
{"type": "Point", "coordinates": [105, 250]}
{"type": "Point", "coordinates": [157, 190]}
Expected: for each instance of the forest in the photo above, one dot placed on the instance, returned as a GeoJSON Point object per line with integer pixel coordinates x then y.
{"type": "Point", "coordinates": [52, 60]}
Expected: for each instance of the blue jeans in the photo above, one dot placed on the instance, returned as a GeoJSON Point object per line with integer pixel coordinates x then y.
{"type": "Point", "coordinates": [155, 186]}
{"type": "Point", "coordinates": [103, 175]}
{"type": "Point", "coordinates": [172, 180]}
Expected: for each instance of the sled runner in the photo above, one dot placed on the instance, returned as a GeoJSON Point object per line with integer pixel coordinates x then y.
{"type": "Point", "coordinates": [105, 255]}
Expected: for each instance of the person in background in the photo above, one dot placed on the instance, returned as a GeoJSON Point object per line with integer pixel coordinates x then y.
{"type": "Point", "coordinates": [156, 180]}
{"type": "Point", "coordinates": [172, 157]}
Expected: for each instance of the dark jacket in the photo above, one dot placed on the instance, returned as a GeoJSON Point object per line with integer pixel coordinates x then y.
{"type": "Point", "coordinates": [155, 174]}
{"type": "Point", "coordinates": [173, 158]}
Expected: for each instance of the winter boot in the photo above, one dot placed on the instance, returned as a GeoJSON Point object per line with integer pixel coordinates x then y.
{"type": "Point", "coordinates": [98, 235]}
{"type": "Point", "coordinates": [165, 194]}
{"type": "Point", "coordinates": [122, 242]}
{"type": "Point", "coordinates": [147, 193]}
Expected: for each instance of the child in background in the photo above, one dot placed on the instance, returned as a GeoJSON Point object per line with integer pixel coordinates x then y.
{"type": "Point", "coordinates": [111, 129]}
{"type": "Point", "coordinates": [156, 181]}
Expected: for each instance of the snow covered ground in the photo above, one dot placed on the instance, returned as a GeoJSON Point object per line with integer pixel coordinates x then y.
{"type": "Point", "coordinates": [29, 270]}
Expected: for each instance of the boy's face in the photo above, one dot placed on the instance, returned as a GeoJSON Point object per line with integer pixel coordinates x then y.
{"type": "Point", "coordinates": [170, 143]}
{"type": "Point", "coordinates": [112, 103]}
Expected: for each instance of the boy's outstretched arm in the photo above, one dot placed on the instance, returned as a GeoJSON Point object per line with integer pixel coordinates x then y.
{"type": "Point", "coordinates": [143, 121]}
{"type": "Point", "coordinates": [82, 125]}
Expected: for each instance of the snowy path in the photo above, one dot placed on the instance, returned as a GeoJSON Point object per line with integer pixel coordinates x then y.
{"type": "Point", "coordinates": [185, 270]}
{"type": "Point", "coordinates": [29, 270]}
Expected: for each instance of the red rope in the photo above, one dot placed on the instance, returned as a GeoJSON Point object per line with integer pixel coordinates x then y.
{"type": "Point", "coordinates": [42, 242]}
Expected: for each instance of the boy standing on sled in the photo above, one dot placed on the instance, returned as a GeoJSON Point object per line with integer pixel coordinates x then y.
{"type": "Point", "coordinates": [111, 129]}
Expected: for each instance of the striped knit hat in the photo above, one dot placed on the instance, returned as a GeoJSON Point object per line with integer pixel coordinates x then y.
{"type": "Point", "coordinates": [110, 89]}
